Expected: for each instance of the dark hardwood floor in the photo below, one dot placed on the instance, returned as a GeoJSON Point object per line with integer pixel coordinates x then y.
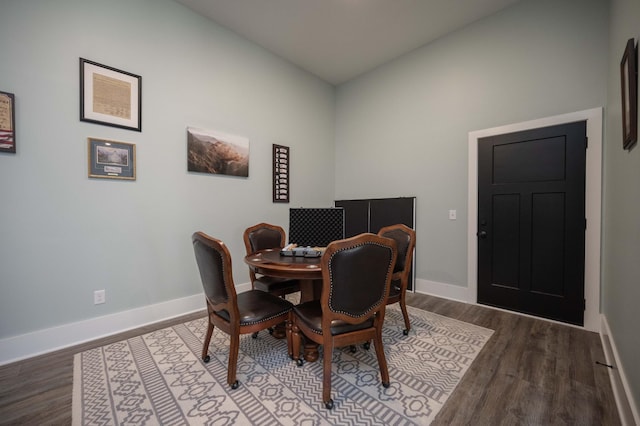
{"type": "Point", "coordinates": [531, 372]}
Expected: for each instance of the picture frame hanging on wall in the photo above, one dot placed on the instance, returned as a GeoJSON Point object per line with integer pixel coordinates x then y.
{"type": "Point", "coordinates": [217, 153]}
{"type": "Point", "coordinates": [111, 159]}
{"type": "Point", "coordinates": [629, 86]}
{"type": "Point", "coordinates": [7, 122]}
{"type": "Point", "coordinates": [110, 96]}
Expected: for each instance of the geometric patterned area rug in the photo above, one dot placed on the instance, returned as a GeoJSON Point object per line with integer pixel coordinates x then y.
{"type": "Point", "coordinates": [159, 379]}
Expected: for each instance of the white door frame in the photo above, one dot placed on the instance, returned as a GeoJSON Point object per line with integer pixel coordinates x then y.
{"type": "Point", "coordinates": [593, 203]}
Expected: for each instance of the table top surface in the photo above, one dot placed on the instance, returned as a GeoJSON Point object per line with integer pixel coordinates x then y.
{"type": "Point", "coordinates": [271, 262]}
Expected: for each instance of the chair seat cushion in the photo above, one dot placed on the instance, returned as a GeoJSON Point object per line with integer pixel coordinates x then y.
{"type": "Point", "coordinates": [273, 285]}
{"type": "Point", "coordinates": [256, 306]}
{"type": "Point", "coordinates": [310, 313]}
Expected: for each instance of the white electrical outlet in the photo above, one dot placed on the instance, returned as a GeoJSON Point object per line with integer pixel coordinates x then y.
{"type": "Point", "coordinates": [99, 297]}
{"type": "Point", "coordinates": [452, 215]}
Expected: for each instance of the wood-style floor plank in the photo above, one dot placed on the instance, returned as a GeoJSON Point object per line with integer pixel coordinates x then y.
{"type": "Point", "coordinates": [531, 372]}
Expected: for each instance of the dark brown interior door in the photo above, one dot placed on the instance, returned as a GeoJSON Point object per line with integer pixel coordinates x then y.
{"type": "Point", "coordinates": [531, 221]}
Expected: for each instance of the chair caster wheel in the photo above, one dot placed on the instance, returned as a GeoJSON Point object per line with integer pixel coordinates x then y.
{"type": "Point", "coordinates": [235, 385]}
{"type": "Point", "coordinates": [329, 404]}
{"type": "Point", "coordinates": [206, 359]}
{"type": "Point", "coordinates": [299, 362]}
{"type": "Point", "coordinates": [405, 332]}
{"type": "Point", "coordinates": [254, 335]}
{"type": "Point", "coordinates": [367, 345]}
{"type": "Point", "coordinates": [353, 349]}
{"type": "Point", "coordinates": [385, 385]}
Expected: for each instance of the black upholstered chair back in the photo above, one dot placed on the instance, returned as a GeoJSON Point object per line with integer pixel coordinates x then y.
{"type": "Point", "coordinates": [263, 236]}
{"type": "Point", "coordinates": [403, 241]}
{"type": "Point", "coordinates": [358, 275]}
{"type": "Point", "coordinates": [214, 263]}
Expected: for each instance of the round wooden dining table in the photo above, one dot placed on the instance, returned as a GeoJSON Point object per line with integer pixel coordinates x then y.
{"type": "Point", "coordinates": [306, 270]}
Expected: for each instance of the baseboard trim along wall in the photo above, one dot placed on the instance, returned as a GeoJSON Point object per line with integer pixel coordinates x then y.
{"type": "Point", "coordinates": [39, 342]}
{"type": "Point", "coordinates": [446, 291]}
{"type": "Point", "coordinates": [629, 414]}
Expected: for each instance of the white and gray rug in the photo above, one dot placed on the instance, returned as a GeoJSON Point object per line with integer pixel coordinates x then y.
{"type": "Point", "coordinates": [159, 379]}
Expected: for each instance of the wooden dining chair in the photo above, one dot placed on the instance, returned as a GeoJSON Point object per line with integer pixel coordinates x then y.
{"type": "Point", "coordinates": [405, 239]}
{"type": "Point", "coordinates": [356, 277]}
{"type": "Point", "coordinates": [234, 314]}
{"type": "Point", "coordinates": [266, 236]}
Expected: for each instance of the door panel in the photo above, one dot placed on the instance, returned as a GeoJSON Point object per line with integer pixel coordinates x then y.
{"type": "Point", "coordinates": [547, 244]}
{"type": "Point", "coordinates": [512, 161]}
{"type": "Point", "coordinates": [506, 234]}
{"type": "Point", "coordinates": [531, 210]}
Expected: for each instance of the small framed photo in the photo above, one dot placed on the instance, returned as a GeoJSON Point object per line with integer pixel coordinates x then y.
{"type": "Point", "coordinates": [7, 122]}
{"type": "Point", "coordinates": [111, 159]}
{"type": "Point", "coordinates": [110, 96]}
{"type": "Point", "coordinates": [629, 86]}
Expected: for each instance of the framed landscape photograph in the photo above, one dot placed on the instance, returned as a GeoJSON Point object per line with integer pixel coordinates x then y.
{"type": "Point", "coordinates": [7, 122]}
{"type": "Point", "coordinates": [629, 86]}
{"type": "Point", "coordinates": [111, 159]}
{"type": "Point", "coordinates": [217, 153]}
{"type": "Point", "coordinates": [110, 96]}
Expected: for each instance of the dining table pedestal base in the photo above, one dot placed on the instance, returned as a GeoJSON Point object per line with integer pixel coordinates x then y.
{"type": "Point", "coordinates": [279, 331]}
{"type": "Point", "coordinates": [306, 270]}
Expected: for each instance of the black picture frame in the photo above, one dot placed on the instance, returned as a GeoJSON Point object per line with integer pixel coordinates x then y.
{"type": "Point", "coordinates": [110, 96]}
{"type": "Point", "coordinates": [629, 87]}
{"type": "Point", "coordinates": [7, 122]}
{"type": "Point", "coordinates": [109, 159]}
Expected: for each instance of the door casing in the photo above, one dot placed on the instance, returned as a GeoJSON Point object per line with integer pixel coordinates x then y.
{"type": "Point", "coordinates": [593, 203]}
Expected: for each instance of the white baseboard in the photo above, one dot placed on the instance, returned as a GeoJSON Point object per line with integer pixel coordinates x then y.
{"type": "Point", "coordinates": [627, 408]}
{"type": "Point", "coordinates": [51, 339]}
{"type": "Point", "coordinates": [39, 342]}
{"type": "Point", "coordinates": [446, 291]}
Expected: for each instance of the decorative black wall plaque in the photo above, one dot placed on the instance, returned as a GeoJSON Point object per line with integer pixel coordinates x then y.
{"type": "Point", "coordinates": [281, 182]}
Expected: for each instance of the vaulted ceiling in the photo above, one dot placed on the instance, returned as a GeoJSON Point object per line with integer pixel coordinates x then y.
{"type": "Point", "coordinates": [338, 40]}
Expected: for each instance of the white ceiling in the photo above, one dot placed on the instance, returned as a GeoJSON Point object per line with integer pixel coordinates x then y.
{"type": "Point", "coordinates": [339, 39]}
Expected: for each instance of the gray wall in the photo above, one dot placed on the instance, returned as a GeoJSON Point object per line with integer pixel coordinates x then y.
{"type": "Point", "coordinates": [402, 129]}
{"type": "Point", "coordinates": [621, 230]}
{"type": "Point", "coordinates": [63, 235]}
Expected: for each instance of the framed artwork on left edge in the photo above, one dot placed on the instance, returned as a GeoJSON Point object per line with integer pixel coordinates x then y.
{"type": "Point", "coordinates": [111, 159]}
{"type": "Point", "coordinates": [7, 122]}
